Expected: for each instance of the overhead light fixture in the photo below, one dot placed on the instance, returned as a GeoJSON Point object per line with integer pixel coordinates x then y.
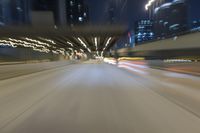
{"type": "Point", "coordinates": [150, 2]}
{"type": "Point", "coordinates": [70, 44]}
{"type": "Point", "coordinates": [84, 45]}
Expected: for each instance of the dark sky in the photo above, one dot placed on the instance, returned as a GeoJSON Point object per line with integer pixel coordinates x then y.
{"type": "Point", "coordinates": [194, 9]}
{"type": "Point", "coordinates": [129, 10]}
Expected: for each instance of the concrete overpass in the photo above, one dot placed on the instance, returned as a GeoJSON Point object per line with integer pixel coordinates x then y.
{"type": "Point", "coordinates": [85, 39]}
{"type": "Point", "coordinates": [95, 40]}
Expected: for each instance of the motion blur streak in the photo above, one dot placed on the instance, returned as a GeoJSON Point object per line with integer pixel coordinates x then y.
{"type": "Point", "coordinates": [131, 68]}
{"type": "Point", "coordinates": [93, 97]}
{"type": "Point", "coordinates": [132, 64]}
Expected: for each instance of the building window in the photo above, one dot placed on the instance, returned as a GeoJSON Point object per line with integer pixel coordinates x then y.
{"type": "Point", "coordinates": [80, 19]}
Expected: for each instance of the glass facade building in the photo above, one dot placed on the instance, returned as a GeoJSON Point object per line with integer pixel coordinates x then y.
{"type": "Point", "coordinates": [14, 12]}
{"type": "Point", "coordinates": [77, 12]}
{"type": "Point", "coordinates": [144, 31]}
{"type": "Point", "coordinates": [171, 18]}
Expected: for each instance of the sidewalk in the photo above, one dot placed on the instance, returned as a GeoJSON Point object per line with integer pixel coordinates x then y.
{"type": "Point", "coordinates": [11, 63]}
{"type": "Point", "coordinates": [22, 62]}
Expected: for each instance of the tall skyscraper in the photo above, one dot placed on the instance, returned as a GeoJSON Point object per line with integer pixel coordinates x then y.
{"type": "Point", "coordinates": [171, 18]}
{"type": "Point", "coordinates": [20, 10]}
{"type": "Point", "coordinates": [77, 12]}
{"type": "Point", "coordinates": [61, 12]}
{"type": "Point", "coordinates": [66, 12]}
{"type": "Point", "coordinates": [1, 14]}
{"type": "Point", "coordinates": [14, 12]}
{"type": "Point", "coordinates": [111, 14]}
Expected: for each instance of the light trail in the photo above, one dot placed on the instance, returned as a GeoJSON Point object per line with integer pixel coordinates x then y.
{"type": "Point", "coordinates": [106, 45]}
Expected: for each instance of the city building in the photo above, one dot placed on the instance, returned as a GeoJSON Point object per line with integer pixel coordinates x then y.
{"type": "Point", "coordinates": [126, 41]}
{"type": "Point", "coordinates": [14, 12]}
{"type": "Point", "coordinates": [111, 14]}
{"type": "Point", "coordinates": [196, 23]}
{"type": "Point", "coordinates": [61, 12]}
{"type": "Point", "coordinates": [151, 6]}
{"type": "Point", "coordinates": [65, 12]}
{"type": "Point", "coordinates": [144, 31]}
{"type": "Point", "coordinates": [77, 12]}
{"type": "Point", "coordinates": [170, 18]}
{"type": "Point", "coordinates": [1, 13]}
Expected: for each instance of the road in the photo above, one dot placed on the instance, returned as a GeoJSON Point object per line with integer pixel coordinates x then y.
{"type": "Point", "coordinates": [100, 98]}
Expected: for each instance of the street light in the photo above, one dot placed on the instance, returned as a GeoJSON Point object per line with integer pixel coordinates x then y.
{"type": "Point", "coordinates": [152, 5]}
{"type": "Point", "coordinates": [155, 2]}
{"type": "Point", "coordinates": [150, 2]}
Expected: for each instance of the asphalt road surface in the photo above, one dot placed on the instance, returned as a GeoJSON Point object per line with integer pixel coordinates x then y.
{"type": "Point", "coordinates": [100, 98]}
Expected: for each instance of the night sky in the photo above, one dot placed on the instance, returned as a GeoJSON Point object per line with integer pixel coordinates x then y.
{"type": "Point", "coordinates": [128, 11]}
